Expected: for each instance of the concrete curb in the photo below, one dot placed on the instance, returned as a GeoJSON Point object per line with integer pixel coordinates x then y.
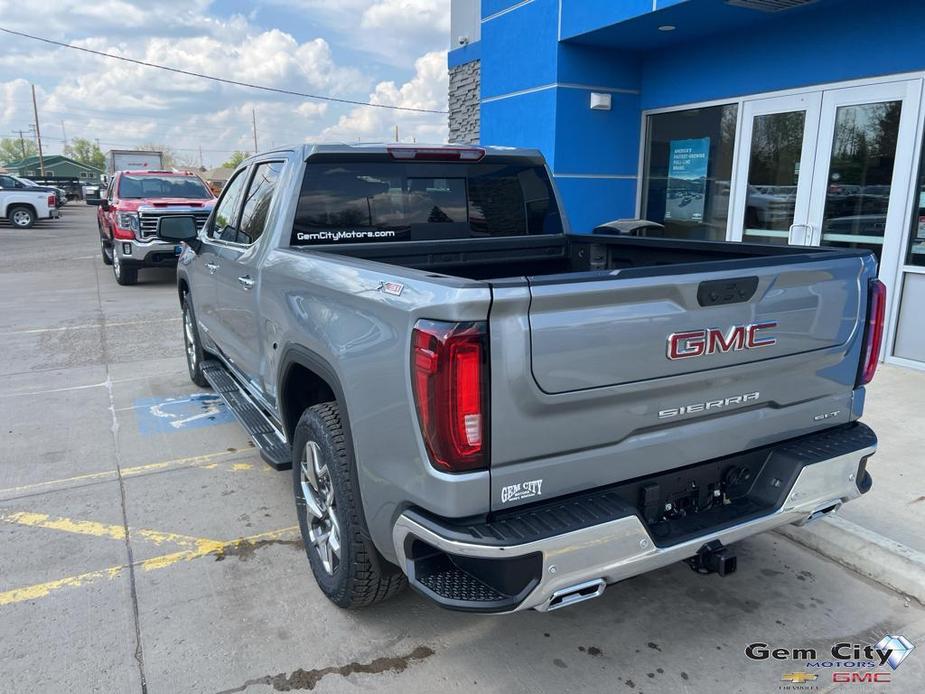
{"type": "Point", "coordinates": [879, 558]}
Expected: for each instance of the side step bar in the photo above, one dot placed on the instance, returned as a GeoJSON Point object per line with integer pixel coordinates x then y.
{"type": "Point", "coordinates": [269, 440]}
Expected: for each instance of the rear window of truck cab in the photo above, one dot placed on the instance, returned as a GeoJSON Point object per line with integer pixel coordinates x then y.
{"type": "Point", "coordinates": [355, 202]}
{"type": "Point", "coordinates": [147, 186]}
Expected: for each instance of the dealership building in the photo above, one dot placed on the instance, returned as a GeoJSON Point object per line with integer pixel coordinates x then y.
{"type": "Point", "coordinates": [766, 121]}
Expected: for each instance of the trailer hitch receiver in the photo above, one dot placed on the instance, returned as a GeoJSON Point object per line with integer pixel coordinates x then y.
{"type": "Point", "coordinates": [713, 557]}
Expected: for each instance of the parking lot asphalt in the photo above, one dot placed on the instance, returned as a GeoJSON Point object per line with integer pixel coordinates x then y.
{"type": "Point", "coordinates": [144, 546]}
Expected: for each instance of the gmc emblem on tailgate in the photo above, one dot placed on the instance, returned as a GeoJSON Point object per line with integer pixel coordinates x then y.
{"type": "Point", "coordinates": [697, 343]}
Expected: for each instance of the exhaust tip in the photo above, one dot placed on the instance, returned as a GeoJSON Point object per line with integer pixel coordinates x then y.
{"type": "Point", "coordinates": [826, 510]}
{"type": "Point", "coordinates": [577, 593]}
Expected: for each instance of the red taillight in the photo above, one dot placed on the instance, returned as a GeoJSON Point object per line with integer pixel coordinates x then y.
{"type": "Point", "coordinates": [436, 153]}
{"type": "Point", "coordinates": [873, 334]}
{"type": "Point", "coordinates": [449, 376]}
{"type": "Point", "coordinates": [52, 201]}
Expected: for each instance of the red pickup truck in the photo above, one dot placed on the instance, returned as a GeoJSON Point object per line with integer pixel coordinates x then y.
{"type": "Point", "coordinates": [129, 214]}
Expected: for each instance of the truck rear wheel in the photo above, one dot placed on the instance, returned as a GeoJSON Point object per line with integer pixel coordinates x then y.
{"type": "Point", "coordinates": [347, 567]}
{"type": "Point", "coordinates": [21, 216]}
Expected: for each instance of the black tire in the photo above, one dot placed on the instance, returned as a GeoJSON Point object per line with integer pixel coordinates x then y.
{"type": "Point", "coordinates": [106, 251]}
{"type": "Point", "coordinates": [361, 576]}
{"type": "Point", "coordinates": [192, 345]}
{"type": "Point", "coordinates": [21, 217]}
{"type": "Point", "coordinates": [125, 276]}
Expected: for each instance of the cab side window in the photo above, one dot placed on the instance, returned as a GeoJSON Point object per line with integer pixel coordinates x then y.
{"type": "Point", "coordinates": [6, 183]}
{"type": "Point", "coordinates": [224, 218]}
{"type": "Point", "coordinates": [257, 201]}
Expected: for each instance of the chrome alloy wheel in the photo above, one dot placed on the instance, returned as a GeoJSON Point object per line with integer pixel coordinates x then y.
{"type": "Point", "coordinates": [21, 218]}
{"type": "Point", "coordinates": [318, 492]}
{"type": "Point", "coordinates": [189, 340]}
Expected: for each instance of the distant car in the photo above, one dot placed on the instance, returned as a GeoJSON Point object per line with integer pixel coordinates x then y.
{"type": "Point", "coordinates": [11, 182]}
{"type": "Point", "coordinates": [23, 207]}
{"type": "Point", "coordinates": [130, 212]}
{"type": "Point", "coordinates": [60, 193]}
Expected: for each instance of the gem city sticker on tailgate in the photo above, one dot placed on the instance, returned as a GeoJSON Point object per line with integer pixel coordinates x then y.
{"type": "Point", "coordinates": [521, 490]}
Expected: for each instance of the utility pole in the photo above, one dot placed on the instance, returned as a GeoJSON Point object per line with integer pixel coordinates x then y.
{"type": "Point", "coordinates": [396, 133]}
{"type": "Point", "coordinates": [64, 134]}
{"type": "Point", "coordinates": [22, 145]}
{"type": "Point", "coordinates": [201, 165]}
{"type": "Point", "coordinates": [38, 133]}
{"type": "Point", "coordinates": [254, 122]}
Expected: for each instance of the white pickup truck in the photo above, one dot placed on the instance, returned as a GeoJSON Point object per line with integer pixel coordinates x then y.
{"type": "Point", "coordinates": [23, 207]}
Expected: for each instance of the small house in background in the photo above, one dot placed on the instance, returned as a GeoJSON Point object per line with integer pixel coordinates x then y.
{"type": "Point", "coordinates": [218, 177]}
{"type": "Point", "coordinates": [58, 168]}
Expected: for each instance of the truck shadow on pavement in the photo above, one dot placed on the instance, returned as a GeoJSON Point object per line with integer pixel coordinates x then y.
{"type": "Point", "coordinates": [661, 631]}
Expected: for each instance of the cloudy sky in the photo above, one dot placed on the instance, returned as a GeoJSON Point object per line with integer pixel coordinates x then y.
{"type": "Point", "coordinates": [380, 51]}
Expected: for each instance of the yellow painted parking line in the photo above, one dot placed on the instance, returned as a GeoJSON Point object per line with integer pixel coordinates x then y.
{"type": "Point", "coordinates": [115, 532]}
{"type": "Point", "coordinates": [204, 461]}
{"type": "Point", "coordinates": [40, 590]}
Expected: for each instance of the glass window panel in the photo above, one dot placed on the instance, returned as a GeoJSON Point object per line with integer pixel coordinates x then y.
{"type": "Point", "coordinates": [257, 201]}
{"type": "Point", "coordinates": [223, 219]}
{"type": "Point", "coordinates": [860, 175]}
{"type": "Point", "coordinates": [773, 173]}
{"type": "Point", "coordinates": [916, 252]}
{"type": "Point", "coordinates": [688, 169]}
{"type": "Point", "coordinates": [374, 201]}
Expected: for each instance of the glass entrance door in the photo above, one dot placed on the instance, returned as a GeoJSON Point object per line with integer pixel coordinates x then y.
{"type": "Point", "coordinates": [777, 145]}
{"type": "Point", "coordinates": [864, 159]}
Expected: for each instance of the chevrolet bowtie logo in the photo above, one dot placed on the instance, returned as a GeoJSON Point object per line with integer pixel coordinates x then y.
{"type": "Point", "coordinates": [799, 677]}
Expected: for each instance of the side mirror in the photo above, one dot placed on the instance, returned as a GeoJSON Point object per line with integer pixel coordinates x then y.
{"type": "Point", "coordinates": [104, 204]}
{"type": "Point", "coordinates": [177, 228]}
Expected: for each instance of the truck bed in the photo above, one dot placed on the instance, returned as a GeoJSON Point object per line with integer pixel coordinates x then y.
{"type": "Point", "coordinates": [514, 258]}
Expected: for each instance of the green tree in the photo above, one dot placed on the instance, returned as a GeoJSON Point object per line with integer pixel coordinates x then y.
{"type": "Point", "coordinates": [85, 152]}
{"type": "Point", "coordinates": [11, 149]}
{"type": "Point", "coordinates": [235, 159]}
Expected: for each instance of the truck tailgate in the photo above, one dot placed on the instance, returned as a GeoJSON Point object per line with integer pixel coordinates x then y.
{"type": "Point", "coordinates": [593, 334]}
{"type": "Point", "coordinates": [618, 376]}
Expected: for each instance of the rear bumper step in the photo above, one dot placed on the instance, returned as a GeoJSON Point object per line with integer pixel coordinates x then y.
{"type": "Point", "coordinates": [564, 551]}
{"type": "Point", "coordinates": [268, 439]}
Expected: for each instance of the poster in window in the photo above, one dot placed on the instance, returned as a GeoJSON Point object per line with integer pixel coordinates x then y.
{"type": "Point", "coordinates": [687, 179]}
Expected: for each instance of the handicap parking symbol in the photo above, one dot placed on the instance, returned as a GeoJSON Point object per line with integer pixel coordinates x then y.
{"type": "Point", "coordinates": [165, 415]}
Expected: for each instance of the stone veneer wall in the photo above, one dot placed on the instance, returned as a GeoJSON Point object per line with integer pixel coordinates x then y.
{"type": "Point", "coordinates": [464, 102]}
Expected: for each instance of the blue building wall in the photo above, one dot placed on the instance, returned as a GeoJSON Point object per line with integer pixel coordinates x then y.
{"type": "Point", "coordinates": [849, 40]}
{"type": "Point", "coordinates": [541, 59]}
{"type": "Point", "coordinates": [580, 16]}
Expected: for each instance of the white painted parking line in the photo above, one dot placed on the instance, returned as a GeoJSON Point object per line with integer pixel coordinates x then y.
{"type": "Point", "coordinates": [89, 326]}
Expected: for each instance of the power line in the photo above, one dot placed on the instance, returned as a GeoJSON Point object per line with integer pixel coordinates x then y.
{"type": "Point", "coordinates": [219, 79]}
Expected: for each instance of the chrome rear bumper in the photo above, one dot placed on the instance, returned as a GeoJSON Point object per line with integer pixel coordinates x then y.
{"type": "Point", "coordinates": [623, 547]}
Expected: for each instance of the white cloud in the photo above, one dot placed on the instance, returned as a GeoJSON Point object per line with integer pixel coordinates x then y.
{"type": "Point", "coordinates": [394, 31]}
{"type": "Point", "coordinates": [124, 104]}
{"type": "Point", "coordinates": [426, 90]}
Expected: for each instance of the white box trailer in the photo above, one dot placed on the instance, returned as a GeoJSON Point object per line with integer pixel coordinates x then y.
{"type": "Point", "coordinates": [128, 160]}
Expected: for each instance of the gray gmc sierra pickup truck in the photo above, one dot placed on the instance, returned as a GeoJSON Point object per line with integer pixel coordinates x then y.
{"type": "Point", "coordinates": [504, 414]}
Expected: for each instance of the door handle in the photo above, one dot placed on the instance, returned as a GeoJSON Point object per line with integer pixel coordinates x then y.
{"type": "Point", "coordinates": [800, 234]}
{"type": "Point", "coordinates": [212, 267]}
{"type": "Point", "coordinates": [246, 282]}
